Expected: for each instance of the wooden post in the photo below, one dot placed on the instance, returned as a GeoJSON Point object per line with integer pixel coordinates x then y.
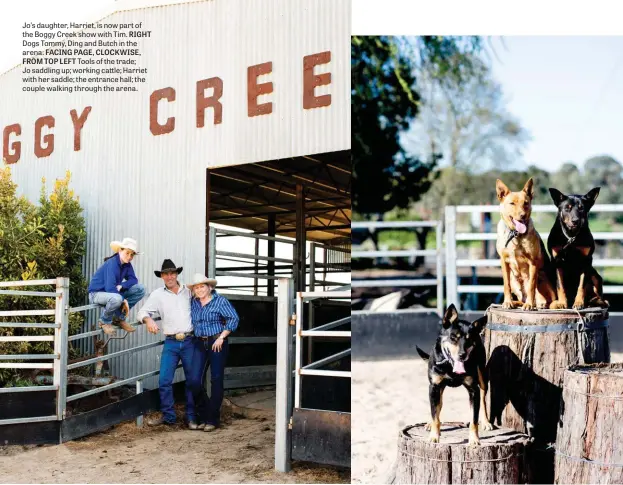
{"type": "Point", "coordinates": [527, 355]}
{"type": "Point", "coordinates": [500, 457]}
{"type": "Point", "coordinates": [589, 444]}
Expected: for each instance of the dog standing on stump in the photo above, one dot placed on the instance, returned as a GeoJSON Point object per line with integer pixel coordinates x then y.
{"type": "Point", "coordinates": [457, 359]}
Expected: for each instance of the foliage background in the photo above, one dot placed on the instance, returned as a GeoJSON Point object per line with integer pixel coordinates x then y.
{"type": "Point", "coordinates": [37, 242]}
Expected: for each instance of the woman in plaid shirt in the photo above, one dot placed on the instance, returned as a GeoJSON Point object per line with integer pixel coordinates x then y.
{"type": "Point", "coordinates": [213, 319]}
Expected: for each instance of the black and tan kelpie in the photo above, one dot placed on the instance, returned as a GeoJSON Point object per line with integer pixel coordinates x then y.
{"type": "Point", "coordinates": [571, 246]}
{"type": "Point", "coordinates": [457, 359]}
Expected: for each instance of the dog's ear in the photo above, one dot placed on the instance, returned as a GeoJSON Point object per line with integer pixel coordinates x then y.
{"type": "Point", "coordinates": [590, 198]}
{"type": "Point", "coordinates": [501, 189]}
{"type": "Point", "coordinates": [529, 188]}
{"type": "Point", "coordinates": [450, 316]}
{"type": "Point", "coordinates": [480, 324]}
{"type": "Point", "coordinates": [557, 196]}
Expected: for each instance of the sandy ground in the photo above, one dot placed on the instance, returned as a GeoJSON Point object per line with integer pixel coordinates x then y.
{"type": "Point", "coordinates": [387, 396]}
{"type": "Point", "coordinates": [242, 451]}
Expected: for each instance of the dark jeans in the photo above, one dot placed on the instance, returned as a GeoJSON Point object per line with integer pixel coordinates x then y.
{"type": "Point", "coordinates": [172, 352]}
{"type": "Point", "coordinates": [209, 408]}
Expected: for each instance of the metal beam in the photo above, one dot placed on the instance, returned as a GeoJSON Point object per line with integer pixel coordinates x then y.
{"type": "Point", "coordinates": [270, 291]}
{"type": "Point", "coordinates": [207, 227]}
{"type": "Point", "coordinates": [283, 406]}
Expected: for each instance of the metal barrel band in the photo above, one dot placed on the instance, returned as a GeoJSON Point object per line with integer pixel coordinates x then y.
{"type": "Point", "coordinates": [586, 460]}
{"type": "Point", "coordinates": [556, 327]}
{"type": "Point", "coordinates": [460, 461]}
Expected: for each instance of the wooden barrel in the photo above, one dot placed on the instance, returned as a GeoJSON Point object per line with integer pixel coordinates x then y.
{"type": "Point", "coordinates": [527, 356]}
{"type": "Point", "coordinates": [500, 458]}
{"type": "Point", "coordinates": [589, 444]}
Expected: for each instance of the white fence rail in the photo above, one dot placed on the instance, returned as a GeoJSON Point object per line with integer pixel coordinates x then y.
{"type": "Point", "coordinates": [258, 267]}
{"type": "Point", "coordinates": [454, 289]}
{"type": "Point", "coordinates": [405, 282]}
{"type": "Point", "coordinates": [59, 339]}
{"type": "Point", "coordinates": [290, 336]}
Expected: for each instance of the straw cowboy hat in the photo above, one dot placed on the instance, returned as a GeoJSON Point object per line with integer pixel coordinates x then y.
{"type": "Point", "coordinates": [127, 243]}
{"type": "Point", "coordinates": [168, 266]}
{"type": "Point", "coordinates": [199, 279]}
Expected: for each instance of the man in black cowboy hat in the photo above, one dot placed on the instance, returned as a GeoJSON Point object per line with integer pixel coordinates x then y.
{"type": "Point", "coordinates": [171, 304]}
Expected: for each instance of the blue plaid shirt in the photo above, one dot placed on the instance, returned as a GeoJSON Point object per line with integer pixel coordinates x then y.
{"type": "Point", "coordinates": [213, 318]}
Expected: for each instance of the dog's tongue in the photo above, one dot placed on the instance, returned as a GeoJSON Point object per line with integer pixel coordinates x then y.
{"type": "Point", "coordinates": [458, 367]}
{"type": "Point", "coordinates": [521, 227]}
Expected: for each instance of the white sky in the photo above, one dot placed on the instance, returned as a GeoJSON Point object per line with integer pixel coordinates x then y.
{"type": "Point", "coordinates": [13, 18]}
{"type": "Point", "coordinates": [566, 91]}
{"type": "Point", "coordinates": [11, 22]}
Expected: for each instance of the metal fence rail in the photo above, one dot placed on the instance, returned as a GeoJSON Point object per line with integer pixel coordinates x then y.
{"type": "Point", "coordinates": [454, 289]}
{"type": "Point", "coordinates": [406, 282]}
{"type": "Point", "coordinates": [290, 336]}
{"type": "Point", "coordinates": [59, 339]}
{"type": "Point", "coordinates": [335, 259]}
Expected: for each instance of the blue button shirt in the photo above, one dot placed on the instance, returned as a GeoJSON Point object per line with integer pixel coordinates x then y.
{"type": "Point", "coordinates": [214, 317]}
{"type": "Point", "coordinates": [112, 273]}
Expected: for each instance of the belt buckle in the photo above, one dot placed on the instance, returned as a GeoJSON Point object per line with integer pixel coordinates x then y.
{"type": "Point", "coordinates": [179, 336]}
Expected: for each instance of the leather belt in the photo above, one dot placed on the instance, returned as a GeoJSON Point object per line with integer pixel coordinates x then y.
{"type": "Point", "coordinates": [213, 337]}
{"type": "Point", "coordinates": [180, 336]}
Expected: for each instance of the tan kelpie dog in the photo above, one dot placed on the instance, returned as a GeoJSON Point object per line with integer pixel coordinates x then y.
{"type": "Point", "coordinates": [524, 259]}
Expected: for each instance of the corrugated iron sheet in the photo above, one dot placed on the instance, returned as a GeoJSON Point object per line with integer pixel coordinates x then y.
{"type": "Point", "coordinates": [152, 188]}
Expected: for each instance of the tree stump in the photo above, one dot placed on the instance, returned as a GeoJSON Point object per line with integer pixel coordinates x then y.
{"type": "Point", "coordinates": [527, 356]}
{"type": "Point", "coordinates": [589, 445]}
{"type": "Point", "coordinates": [500, 458]}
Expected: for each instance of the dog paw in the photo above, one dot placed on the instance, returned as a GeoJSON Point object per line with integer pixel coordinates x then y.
{"type": "Point", "coordinates": [433, 438]}
{"type": "Point", "coordinates": [508, 305]}
{"type": "Point", "coordinates": [558, 305]}
{"type": "Point", "coordinates": [600, 303]}
{"type": "Point", "coordinates": [486, 426]}
{"type": "Point", "coordinates": [427, 426]}
{"type": "Point", "coordinates": [578, 305]}
{"type": "Point", "coordinates": [474, 440]}
{"type": "Point", "coordinates": [528, 306]}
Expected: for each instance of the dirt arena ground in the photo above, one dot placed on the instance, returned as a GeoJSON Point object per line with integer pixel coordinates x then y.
{"type": "Point", "coordinates": [387, 396]}
{"type": "Point", "coordinates": [242, 451]}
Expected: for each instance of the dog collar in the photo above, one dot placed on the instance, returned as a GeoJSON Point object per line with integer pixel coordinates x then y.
{"type": "Point", "coordinates": [511, 235]}
{"type": "Point", "coordinates": [570, 240]}
{"type": "Point", "coordinates": [446, 356]}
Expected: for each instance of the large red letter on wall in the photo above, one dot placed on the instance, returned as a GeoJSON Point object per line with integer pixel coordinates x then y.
{"type": "Point", "coordinates": [311, 81]}
{"type": "Point", "coordinates": [16, 146]}
{"type": "Point", "coordinates": [254, 90]}
{"type": "Point", "coordinates": [78, 124]}
{"type": "Point", "coordinates": [40, 150]}
{"type": "Point", "coordinates": [155, 127]}
{"type": "Point", "coordinates": [210, 102]}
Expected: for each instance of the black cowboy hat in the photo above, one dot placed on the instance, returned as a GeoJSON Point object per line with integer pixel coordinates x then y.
{"type": "Point", "coordinates": [168, 266]}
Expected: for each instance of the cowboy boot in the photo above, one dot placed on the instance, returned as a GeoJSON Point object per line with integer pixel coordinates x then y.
{"type": "Point", "coordinates": [125, 308]}
{"type": "Point", "coordinates": [107, 328]}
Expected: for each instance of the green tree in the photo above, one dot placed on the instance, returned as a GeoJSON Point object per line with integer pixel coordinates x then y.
{"type": "Point", "coordinates": [39, 242]}
{"type": "Point", "coordinates": [384, 101]}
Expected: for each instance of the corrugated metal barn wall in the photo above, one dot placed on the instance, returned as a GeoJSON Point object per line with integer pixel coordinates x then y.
{"type": "Point", "coordinates": [152, 188]}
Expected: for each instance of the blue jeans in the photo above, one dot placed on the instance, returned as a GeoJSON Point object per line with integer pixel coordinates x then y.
{"type": "Point", "coordinates": [172, 352]}
{"type": "Point", "coordinates": [112, 301]}
{"type": "Point", "coordinates": [209, 408]}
